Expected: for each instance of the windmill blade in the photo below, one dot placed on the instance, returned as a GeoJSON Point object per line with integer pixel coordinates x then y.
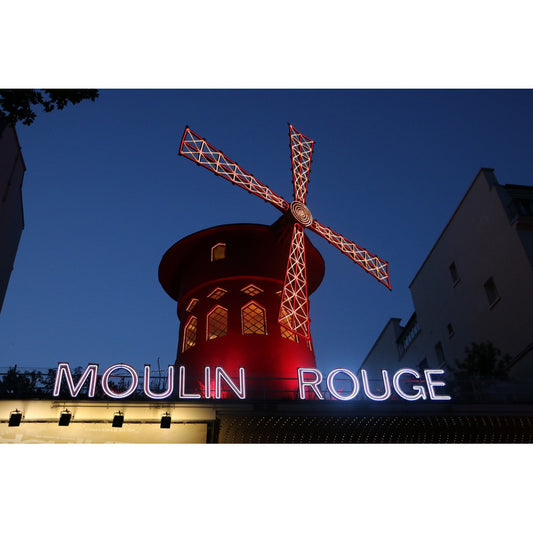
{"type": "Point", "coordinates": [301, 153]}
{"type": "Point", "coordinates": [294, 309]}
{"type": "Point", "coordinates": [200, 151]}
{"type": "Point", "coordinates": [369, 262]}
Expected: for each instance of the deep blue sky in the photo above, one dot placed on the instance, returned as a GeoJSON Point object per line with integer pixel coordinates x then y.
{"type": "Point", "coordinates": [106, 194]}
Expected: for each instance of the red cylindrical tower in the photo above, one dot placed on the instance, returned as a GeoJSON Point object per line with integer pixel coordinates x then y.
{"type": "Point", "coordinates": [227, 281]}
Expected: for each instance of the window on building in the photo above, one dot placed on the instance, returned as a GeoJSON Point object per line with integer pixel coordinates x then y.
{"type": "Point", "coordinates": [450, 330]}
{"type": "Point", "coordinates": [253, 319]}
{"type": "Point", "coordinates": [217, 293]}
{"type": "Point", "coordinates": [454, 274]}
{"type": "Point", "coordinates": [217, 323]}
{"type": "Point", "coordinates": [218, 251]}
{"type": "Point", "coordinates": [491, 291]}
{"type": "Point", "coordinates": [251, 290]}
{"type": "Point", "coordinates": [440, 353]}
{"type": "Point", "coordinates": [189, 337]}
{"type": "Point", "coordinates": [285, 332]}
{"type": "Point", "coordinates": [191, 305]}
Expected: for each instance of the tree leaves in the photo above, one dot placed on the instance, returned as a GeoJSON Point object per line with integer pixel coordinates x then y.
{"type": "Point", "coordinates": [16, 104]}
{"type": "Point", "coordinates": [483, 360]}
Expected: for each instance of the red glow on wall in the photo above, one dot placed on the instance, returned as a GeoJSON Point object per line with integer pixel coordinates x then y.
{"type": "Point", "coordinates": [247, 281]}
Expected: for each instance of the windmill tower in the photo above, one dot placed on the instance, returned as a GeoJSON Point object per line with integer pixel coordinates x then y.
{"type": "Point", "coordinates": [242, 289]}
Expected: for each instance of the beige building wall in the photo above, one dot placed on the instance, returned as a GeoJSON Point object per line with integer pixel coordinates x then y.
{"type": "Point", "coordinates": [476, 285]}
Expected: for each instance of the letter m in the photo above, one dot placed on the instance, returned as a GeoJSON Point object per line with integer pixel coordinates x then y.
{"type": "Point", "coordinates": [64, 369]}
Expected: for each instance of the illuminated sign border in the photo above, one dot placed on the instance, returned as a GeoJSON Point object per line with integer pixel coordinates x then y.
{"type": "Point", "coordinates": [309, 380]}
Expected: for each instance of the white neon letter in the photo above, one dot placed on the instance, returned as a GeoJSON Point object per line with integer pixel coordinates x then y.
{"type": "Point", "coordinates": [207, 378]}
{"type": "Point", "coordinates": [240, 392]}
{"type": "Point", "coordinates": [130, 390]}
{"type": "Point", "coordinates": [411, 397]}
{"type": "Point", "coordinates": [331, 384]}
{"type": "Point", "coordinates": [181, 389]}
{"type": "Point", "coordinates": [432, 384]}
{"type": "Point", "coordinates": [386, 383]}
{"type": "Point", "coordinates": [302, 383]}
{"type": "Point", "coordinates": [64, 368]}
{"type": "Point", "coordinates": [158, 395]}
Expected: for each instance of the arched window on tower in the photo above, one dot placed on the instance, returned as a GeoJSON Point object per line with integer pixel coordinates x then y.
{"type": "Point", "coordinates": [253, 319]}
{"type": "Point", "coordinates": [217, 322]}
{"type": "Point", "coordinates": [218, 251]}
{"type": "Point", "coordinates": [189, 336]}
{"type": "Point", "coordinates": [285, 332]}
{"type": "Point", "coordinates": [217, 293]}
{"type": "Point", "coordinates": [191, 304]}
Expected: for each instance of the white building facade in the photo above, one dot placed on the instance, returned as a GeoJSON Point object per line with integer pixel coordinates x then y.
{"type": "Point", "coordinates": [476, 285]}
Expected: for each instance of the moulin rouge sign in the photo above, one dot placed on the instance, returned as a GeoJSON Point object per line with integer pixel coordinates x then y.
{"type": "Point", "coordinates": [408, 383]}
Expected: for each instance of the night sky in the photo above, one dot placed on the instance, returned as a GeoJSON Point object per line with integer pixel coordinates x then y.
{"type": "Point", "coordinates": [106, 194]}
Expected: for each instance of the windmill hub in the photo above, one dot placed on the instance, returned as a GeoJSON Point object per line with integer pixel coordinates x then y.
{"type": "Point", "coordinates": [300, 212]}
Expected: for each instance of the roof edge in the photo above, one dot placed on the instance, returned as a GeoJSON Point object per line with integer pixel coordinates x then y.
{"type": "Point", "coordinates": [491, 180]}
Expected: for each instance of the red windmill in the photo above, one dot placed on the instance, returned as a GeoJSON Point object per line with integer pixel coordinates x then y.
{"type": "Point", "coordinates": [294, 308]}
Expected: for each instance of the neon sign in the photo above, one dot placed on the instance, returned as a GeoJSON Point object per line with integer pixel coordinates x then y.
{"type": "Point", "coordinates": [309, 379]}
{"type": "Point", "coordinates": [91, 373]}
{"type": "Point", "coordinates": [309, 382]}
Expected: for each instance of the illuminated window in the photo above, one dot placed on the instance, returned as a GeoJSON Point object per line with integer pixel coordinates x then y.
{"type": "Point", "coordinates": [217, 293]}
{"type": "Point", "coordinates": [251, 290]}
{"type": "Point", "coordinates": [253, 319]}
{"type": "Point", "coordinates": [285, 332]}
{"type": "Point", "coordinates": [217, 323]}
{"type": "Point", "coordinates": [218, 251]}
{"type": "Point", "coordinates": [191, 328]}
{"type": "Point", "coordinates": [492, 292]}
{"type": "Point", "coordinates": [191, 305]}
